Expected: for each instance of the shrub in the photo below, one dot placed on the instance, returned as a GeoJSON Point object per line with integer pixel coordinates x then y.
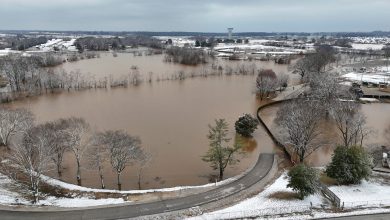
{"type": "Point", "coordinates": [349, 165]}
{"type": "Point", "coordinates": [302, 179]}
{"type": "Point", "coordinates": [246, 125]}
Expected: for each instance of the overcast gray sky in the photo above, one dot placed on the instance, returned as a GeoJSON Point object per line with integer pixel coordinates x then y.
{"type": "Point", "coordinates": [196, 15]}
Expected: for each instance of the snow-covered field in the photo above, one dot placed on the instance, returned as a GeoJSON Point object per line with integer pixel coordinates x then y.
{"type": "Point", "coordinates": [366, 194]}
{"type": "Point", "coordinates": [276, 199]}
{"type": "Point", "coordinates": [59, 43]}
{"type": "Point", "coordinates": [259, 48]}
{"type": "Point", "coordinates": [374, 78]}
{"type": "Point", "coordinates": [359, 46]}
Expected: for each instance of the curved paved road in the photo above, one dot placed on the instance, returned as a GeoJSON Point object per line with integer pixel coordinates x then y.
{"type": "Point", "coordinates": [258, 172]}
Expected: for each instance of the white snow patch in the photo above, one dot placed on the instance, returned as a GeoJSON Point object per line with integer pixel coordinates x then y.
{"type": "Point", "coordinates": [369, 100]}
{"type": "Point", "coordinates": [10, 197]}
{"type": "Point", "coordinates": [79, 202]}
{"type": "Point", "coordinates": [366, 194]}
{"type": "Point", "coordinates": [58, 183]}
{"type": "Point", "coordinates": [359, 46]}
{"type": "Point", "coordinates": [264, 204]}
{"type": "Point", "coordinates": [374, 78]}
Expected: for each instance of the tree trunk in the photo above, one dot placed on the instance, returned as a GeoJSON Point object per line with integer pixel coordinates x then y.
{"type": "Point", "coordinates": [59, 170]}
{"type": "Point", "coordinates": [78, 173]}
{"type": "Point", "coordinates": [139, 180]}
{"type": "Point", "coordinates": [101, 178]}
{"type": "Point", "coordinates": [220, 174]}
{"type": "Point", "coordinates": [119, 181]}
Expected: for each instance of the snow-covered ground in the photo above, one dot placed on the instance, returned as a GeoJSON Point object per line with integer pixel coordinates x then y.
{"type": "Point", "coordinates": [7, 51]}
{"type": "Point", "coordinates": [359, 46]}
{"type": "Point", "coordinates": [59, 43]}
{"type": "Point", "coordinates": [367, 194]}
{"type": "Point", "coordinates": [276, 199]}
{"type": "Point", "coordinates": [72, 187]}
{"type": "Point", "coordinates": [9, 195]}
{"type": "Point", "coordinates": [374, 78]}
{"type": "Point", "coordinates": [371, 40]}
{"type": "Point", "coordinates": [178, 41]}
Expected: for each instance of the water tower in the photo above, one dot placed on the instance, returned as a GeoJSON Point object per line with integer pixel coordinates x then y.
{"type": "Point", "coordinates": [230, 32]}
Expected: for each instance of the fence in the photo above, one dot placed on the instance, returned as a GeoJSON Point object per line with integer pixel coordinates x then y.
{"type": "Point", "coordinates": [365, 204]}
{"type": "Point", "coordinates": [291, 210]}
{"type": "Point", "coordinates": [267, 212]}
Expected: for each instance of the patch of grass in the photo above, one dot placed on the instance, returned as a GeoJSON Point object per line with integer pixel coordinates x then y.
{"type": "Point", "coordinates": [284, 195]}
{"type": "Point", "coordinates": [327, 180]}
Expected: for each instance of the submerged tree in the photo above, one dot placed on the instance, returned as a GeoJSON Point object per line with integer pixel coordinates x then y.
{"type": "Point", "coordinates": [266, 82]}
{"type": "Point", "coordinates": [56, 136]}
{"type": "Point", "coordinates": [123, 149]}
{"type": "Point", "coordinates": [98, 155]}
{"type": "Point", "coordinates": [142, 161]}
{"type": "Point", "coordinates": [246, 125]}
{"type": "Point", "coordinates": [78, 132]}
{"type": "Point", "coordinates": [300, 120]}
{"type": "Point", "coordinates": [219, 154]}
{"type": "Point", "coordinates": [350, 123]}
{"type": "Point", "coordinates": [13, 122]}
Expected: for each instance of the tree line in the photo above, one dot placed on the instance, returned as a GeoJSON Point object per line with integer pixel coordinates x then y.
{"type": "Point", "coordinates": [34, 149]}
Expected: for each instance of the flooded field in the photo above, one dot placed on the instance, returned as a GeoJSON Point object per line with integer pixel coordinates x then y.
{"type": "Point", "coordinates": [170, 117]}
{"type": "Point", "coordinates": [377, 117]}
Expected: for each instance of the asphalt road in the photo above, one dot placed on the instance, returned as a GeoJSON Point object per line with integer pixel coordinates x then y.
{"type": "Point", "coordinates": [259, 171]}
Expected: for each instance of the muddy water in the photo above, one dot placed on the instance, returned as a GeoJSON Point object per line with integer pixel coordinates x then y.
{"type": "Point", "coordinates": [170, 117]}
{"type": "Point", "coordinates": [377, 117]}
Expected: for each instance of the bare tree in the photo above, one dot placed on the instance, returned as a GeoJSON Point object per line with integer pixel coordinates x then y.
{"type": "Point", "coordinates": [142, 161]}
{"type": "Point", "coordinates": [300, 120]}
{"type": "Point", "coordinates": [19, 71]}
{"type": "Point", "coordinates": [350, 122]}
{"type": "Point", "coordinates": [32, 157]}
{"type": "Point", "coordinates": [98, 155]}
{"type": "Point", "coordinates": [325, 88]}
{"type": "Point", "coordinates": [78, 132]}
{"type": "Point", "coordinates": [314, 63]}
{"type": "Point", "coordinates": [266, 82]}
{"type": "Point", "coordinates": [283, 79]}
{"type": "Point", "coordinates": [13, 122]}
{"type": "Point", "coordinates": [59, 140]}
{"type": "Point", "coordinates": [123, 149]}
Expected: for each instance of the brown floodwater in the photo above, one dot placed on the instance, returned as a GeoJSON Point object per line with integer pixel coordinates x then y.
{"type": "Point", "coordinates": [170, 117]}
{"type": "Point", "coordinates": [377, 117]}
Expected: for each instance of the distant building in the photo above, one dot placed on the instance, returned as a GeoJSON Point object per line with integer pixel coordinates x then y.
{"type": "Point", "coordinates": [230, 33]}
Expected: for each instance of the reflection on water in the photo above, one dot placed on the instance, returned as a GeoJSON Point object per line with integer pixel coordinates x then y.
{"type": "Point", "coordinates": [170, 117]}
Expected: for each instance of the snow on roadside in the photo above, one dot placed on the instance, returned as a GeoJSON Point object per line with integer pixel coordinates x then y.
{"type": "Point", "coordinates": [8, 196]}
{"type": "Point", "coordinates": [368, 193]}
{"type": "Point", "coordinates": [59, 183]}
{"type": "Point", "coordinates": [79, 202]}
{"type": "Point", "coordinates": [266, 203]}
